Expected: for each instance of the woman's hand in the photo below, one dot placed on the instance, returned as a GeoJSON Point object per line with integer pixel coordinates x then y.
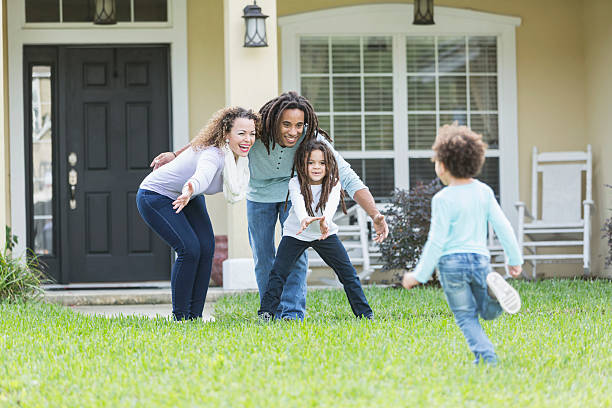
{"type": "Point", "coordinates": [306, 222]}
{"type": "Point", "coordinates": [380, 225]}
{"type": "Point", "coordinates": [161, 159]}
{"type": "Point", "coordinates": [409, 281]}
{"type": "Point", "coordinates": [183, 199]}
{"type": "Point", "coordinates": [515, 270]}
{"type": "Point", "coordinates": [324, 229]}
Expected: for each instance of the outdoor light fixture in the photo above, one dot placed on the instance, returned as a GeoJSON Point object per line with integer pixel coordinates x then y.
{"type": "Point", "coordinates": [423, 12]}
{"type": "Point", "coordinates": [106, 12]}
{"type": "Point", "coordinates": [255, 34]}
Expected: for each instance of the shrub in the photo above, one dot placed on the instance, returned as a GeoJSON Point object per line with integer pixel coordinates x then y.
{"type": "Point", "coordinates": [20, 277]}
{"type": "Point", "coordinates": [408, 216]}
{"type": "Point", "coordinates": [607, 234]}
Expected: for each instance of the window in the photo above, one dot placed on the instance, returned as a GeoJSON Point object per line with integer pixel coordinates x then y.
{"type": "Point", "coordinates": [82, 11]}
{"type": "Point", "coordinates": [396, 83]}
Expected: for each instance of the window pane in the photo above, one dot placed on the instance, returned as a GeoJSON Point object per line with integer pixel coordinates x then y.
{"type": "Point", "coordinates": [39, 11]}
{"type": "Point", "coordinates": [420, 54]}
{"type": "Point", "coordinates": [483, 54]}
{"type": "Point", "coordinates": [377, 54]}
{"type": "Point", "coordinates": [42, 160]}
{"type": "Point", "coordinates": [378, 94]}
{"type": "Point", "coordinates": [377, 174]}
{"type": "Point", "coordinates": [379, 132]}
{"type": "Point", "coordinates": [450, 118]}
{"type": "Point", "coordinates": [78, 10]}
{"type": "Point", "coordinates": [421, 170]}
{"type": "Point", "coordinates": [314, 55]}
{"type": "Point", "coordinates": [124, 12]}
{"type": "Point", "coordinates": [487, 126]}
{"type": "Point", "coordinates": [422, 93]}
{"type": "Point", "coordinates": [452, 93]}
{"type": "Point", "coordinates": [421, 131]}
{"type": "Point", "coordinates": [347, 132]}
{"type": "Point", "coordinates": [324, 123]}
{"type": "Point", "coordinates": [150, 10]}
{"type": "Point", "coordinates": [483, 93]}
{"type": "Point", "coordinates": [490, 174]}
{"type": "Point", "coordinates": [451, 54]}
{"type": "Point", "coordinates": [347, 94]}
{"type": "Point", "coordinates": [345, 55]}
{"type": "Point", "coordinates": [316, 90]}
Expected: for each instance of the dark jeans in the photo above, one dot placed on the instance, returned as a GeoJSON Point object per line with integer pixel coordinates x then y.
{"type": "Point", "coordinates": [191, 236]}
{"type": "Point", "coordinates": [333, 253]}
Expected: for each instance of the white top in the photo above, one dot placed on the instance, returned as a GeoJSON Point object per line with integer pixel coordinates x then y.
{"type": "Point", "coordinates": [203, 167]}
{"type": "Point", "coordinates": [298, 211]}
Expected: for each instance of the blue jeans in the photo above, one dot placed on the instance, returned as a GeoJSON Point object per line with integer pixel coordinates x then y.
{"type": "Point", "coordinates": [463, 277]}
{"type": "Point", "coordinates": [333, 253]}
{"type": "Point", "coordinates": [262, 218]}
{"type": "Point", "coordinates": [191, 236]}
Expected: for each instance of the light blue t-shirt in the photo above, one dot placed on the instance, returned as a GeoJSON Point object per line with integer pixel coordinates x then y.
{"type": "Point", "coordinates": [459, 216]}
{"type": "Point", "coordinates": [270, 173]}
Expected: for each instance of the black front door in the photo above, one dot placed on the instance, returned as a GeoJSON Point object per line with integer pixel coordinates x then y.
{"type": "Point", "coordinates": [113, 117]}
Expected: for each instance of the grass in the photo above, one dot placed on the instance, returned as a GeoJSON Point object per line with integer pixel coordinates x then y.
{"type": "Point", "coordinates": [555, 352]}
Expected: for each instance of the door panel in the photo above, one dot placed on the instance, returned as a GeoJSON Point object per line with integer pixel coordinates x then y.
{"type": "Point", "coordinates": [116, 119]}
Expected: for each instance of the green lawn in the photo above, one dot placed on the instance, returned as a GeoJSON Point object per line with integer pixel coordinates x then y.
{"type": "Point", "coordinates": [556, 352]}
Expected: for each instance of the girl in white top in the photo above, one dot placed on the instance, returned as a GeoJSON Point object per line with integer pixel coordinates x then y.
{"type": "Point", "coordinates": [315, 193]}
{"type": "Point", "coordinates": [171, 201]}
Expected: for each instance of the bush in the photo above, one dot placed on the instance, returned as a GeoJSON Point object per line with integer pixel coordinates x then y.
{"type": "Point", "coordinates": [20, 278]}
{"type": "Point", "coordinates": [607, 234]}
{"type": "Point", "coordinates": [408, 216]}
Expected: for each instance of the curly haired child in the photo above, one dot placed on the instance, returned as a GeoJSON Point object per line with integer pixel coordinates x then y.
{"type": "Point", "coordinates": [457, 238]}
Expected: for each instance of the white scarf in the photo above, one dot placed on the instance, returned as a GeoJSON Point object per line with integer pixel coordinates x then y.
{"type": "Point", "coordinates": [235, 176]}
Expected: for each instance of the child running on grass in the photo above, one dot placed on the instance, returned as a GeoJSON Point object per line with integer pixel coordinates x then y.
{"type": "Point", "coordinates": [315, 193]}
{"type": "Point", "coordinates": [457, 240]}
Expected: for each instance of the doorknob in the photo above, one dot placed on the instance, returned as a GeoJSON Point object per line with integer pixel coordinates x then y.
{"type": "Point", "coordinates": [72, 181]}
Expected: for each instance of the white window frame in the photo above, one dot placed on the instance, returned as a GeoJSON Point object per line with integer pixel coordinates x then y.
{"type": "Point", "coordinates": [172, 32]}
{"type": "Point", "coordinates": [396, 20]}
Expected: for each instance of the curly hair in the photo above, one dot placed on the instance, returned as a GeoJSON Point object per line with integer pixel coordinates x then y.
{"type": "Point", "coordinates": [460, 149]}
{"type": "Point", "coordinates": [331, 178]}
{"type": "Point", "coordinates": [220, 124]}
{"type": "Point", "coordinates": [271, 114]}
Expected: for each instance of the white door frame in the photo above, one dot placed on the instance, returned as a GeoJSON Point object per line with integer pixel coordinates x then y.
{"type": "Point", "coordinates": [20, 33]}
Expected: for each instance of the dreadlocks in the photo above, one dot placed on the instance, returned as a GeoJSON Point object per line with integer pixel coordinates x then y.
{"type": "Point", "coordinates": [331, 178]}
{"type": "Point", "coordinates": [271, 113]}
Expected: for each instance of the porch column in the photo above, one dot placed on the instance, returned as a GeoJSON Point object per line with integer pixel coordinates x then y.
{"type": "Point", "coordinates": [4, 181]}
{"type": "Point", "coordinates": [251, 79]}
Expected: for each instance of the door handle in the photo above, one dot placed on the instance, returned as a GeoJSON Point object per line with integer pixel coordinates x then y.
{"type": "Point", "coordinates": [72, 181]}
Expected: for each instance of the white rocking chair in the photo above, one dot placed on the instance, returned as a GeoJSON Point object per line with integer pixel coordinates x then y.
{"type": "Point", "coordinates": [563, 218]}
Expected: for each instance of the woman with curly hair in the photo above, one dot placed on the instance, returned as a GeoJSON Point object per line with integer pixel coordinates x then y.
{"type": "Point", "coordinates": [171, 201]}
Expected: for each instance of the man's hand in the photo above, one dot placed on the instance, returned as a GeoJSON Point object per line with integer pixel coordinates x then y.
{"type": "Point", "coordinates": [381, 227]}
{"type": "Point", "coordinates": [306, 222]}
{"type": "Point", "coordinates": [324, 229]}
{"type": "Point", "coordinates": [409, 281]}
{"type": "Point", "coordinates": [161, 159]}
{"type": "Point", "coordinates": [183, 199]}
{"type": "Point", "coordinates": [515, 270]}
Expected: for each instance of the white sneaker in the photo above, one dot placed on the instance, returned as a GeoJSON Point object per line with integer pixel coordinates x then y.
{"type": "Point", "coordinates": [505, 294]}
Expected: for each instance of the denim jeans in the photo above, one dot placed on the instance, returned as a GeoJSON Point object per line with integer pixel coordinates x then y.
{"type": "Point", "coordinates": [262, 218]}
{"type": "Point", "coordinates": [191, 236]}
{"type": "Point", "coordinates": [333, 253]}
{"type": "Point", "coordinates": [463, 277]}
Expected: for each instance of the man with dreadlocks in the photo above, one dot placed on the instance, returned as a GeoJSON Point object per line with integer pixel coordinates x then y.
{"type": "Point", "coordinates": [286, 122]}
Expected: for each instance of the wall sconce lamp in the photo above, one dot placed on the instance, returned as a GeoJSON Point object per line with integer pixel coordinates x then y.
{"type": "Point", "coordinates": [106, 12]}
{"type": "Point", "coordinates": [423, 12]}
{"type": "Point", "coordinates": [255, 34]}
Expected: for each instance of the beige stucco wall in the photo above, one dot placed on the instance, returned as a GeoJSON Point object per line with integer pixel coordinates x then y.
{"type": "Point", "coordinates": [206, 81]}
{"type": "Point", "coordinates": [598, 57]}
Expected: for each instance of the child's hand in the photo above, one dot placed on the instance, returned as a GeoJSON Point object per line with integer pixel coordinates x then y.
{"type": "Point", "coordinates": [409, 281]}
{"type": "Point", "coordinates": [515, 270]}
{"type": "Point", "coordinates": [324, 228]}
{"type": "Point", "coordinates": [162, 159]}
{"type": "Point", "coordinates": [183, 199]}
{"type": "Point", "coordinates": [306, 222]}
